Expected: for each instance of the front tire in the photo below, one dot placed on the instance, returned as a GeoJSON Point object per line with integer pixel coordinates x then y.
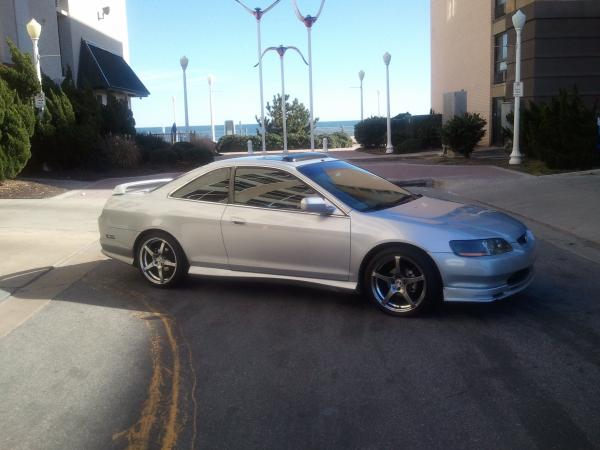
{"type": "Point", "coordinates": [161, 260]}
{"type": "Point", "coordinates": [402, 281]}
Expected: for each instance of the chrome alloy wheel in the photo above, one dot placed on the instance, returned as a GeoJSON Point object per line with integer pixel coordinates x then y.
{"type": "Point", "coordinates": [398, 284]}
{"type": "Point", "coordinates": [158, 260]}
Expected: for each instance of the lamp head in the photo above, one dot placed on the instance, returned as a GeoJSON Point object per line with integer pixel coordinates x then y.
{"type": "Point", "coordinates": [518, 20]}
{"type": "Point", "coordinates": [34, 29]}
{"type": "Point", "coordinates": [387, 58]}
{"type": "Point", "coordinates": [361, 75]}
{"type": "Point", "coordinates": [184, 62]}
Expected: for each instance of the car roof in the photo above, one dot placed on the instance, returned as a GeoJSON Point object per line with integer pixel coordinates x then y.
{"type": "Point", "coordinates": [274, 160]}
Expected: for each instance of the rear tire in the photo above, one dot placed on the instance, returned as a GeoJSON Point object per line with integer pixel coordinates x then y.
{"type": "Point", "coordinates": [402, 281]}
{"type": "Point", "coordinates": [161, 260]}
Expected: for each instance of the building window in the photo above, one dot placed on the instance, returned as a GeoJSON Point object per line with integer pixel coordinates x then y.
{"type": "Point", "coordinates": [500, 57]}
{"type": "Point", "coordinates": [500, 8]}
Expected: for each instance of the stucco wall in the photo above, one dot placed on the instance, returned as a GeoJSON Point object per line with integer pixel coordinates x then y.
{"type": "Point", "coordinates": [461, 54]}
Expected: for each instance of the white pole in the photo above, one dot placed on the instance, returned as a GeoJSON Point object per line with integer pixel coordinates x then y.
{"type": "Point", "coordinates": [212, 119]}
{"type": "Point", "coordinates": [516, 156]}
{"type": "Point", "coordinates": [325, 142]}
{"type": "Point", "coordinates": [386, 59]}
{"type": "Point", "coordinates": [185, 103]}
{"type": "Point", "coordinates": [310, 89]}
{"type": "Point", "coordinates": [36, 59]}
{"type": "Point", "coordinates": [361, 76]}
{"type": "Point", "coordinates": [285, 148]}
{"type": "Point", "coordinates": [260, 77]}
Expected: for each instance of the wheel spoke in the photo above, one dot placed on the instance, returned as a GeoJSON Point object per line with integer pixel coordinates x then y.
{"type": "Point", "coordinates": [412, 280]}
{"type": "Point", "coordinates": [148, 267]}
{"type": "Point", "coordinates": [397, 262]}
{"type": "Point", "coordinates": [406, 297]}
{"type": "Point", "coordinates": [150, 252]}
{"type": "Point", "coordinates": [162, 248]}
{"type": "Point", "coordinates": [388, 280]}
{"type": "Point", "coordinates": [388, 297]}
{"type": "Point", "coordinates": [169, 263]}
{"type": "Point", "coordinates": [160, 274]}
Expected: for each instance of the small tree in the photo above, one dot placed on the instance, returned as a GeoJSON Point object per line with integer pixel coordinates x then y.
{"type": "Point", "coordinates": [117, 118]}
{"type": "Point", "coordinates": [297, 117]}
{"type": "Point", "coordinates": [462, 133]}
{"type": "Point", "coordinates": [20, 75]}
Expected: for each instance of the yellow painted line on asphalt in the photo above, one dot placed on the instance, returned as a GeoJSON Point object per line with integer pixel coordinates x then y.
{"type": "Point", "coordinates": [24, 303]}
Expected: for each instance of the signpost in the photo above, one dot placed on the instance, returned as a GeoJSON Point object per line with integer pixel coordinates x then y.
{"type": "Point", "coordinates": [40, 101]}
{"type": "Point", "coordinates": [518, 89]}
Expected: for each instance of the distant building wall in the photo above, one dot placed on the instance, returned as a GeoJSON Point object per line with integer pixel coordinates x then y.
{"type": "Point", "coordinates": [64, 24]}
{"type": "Point", "coordinates": [460, 54]}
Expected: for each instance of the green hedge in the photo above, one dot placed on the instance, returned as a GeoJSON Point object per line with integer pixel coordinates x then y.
{"type": "Point", "coordinates": [462, 133]}
{"type": "Point", "coordinates": [424, 130]}
{"type": "Point", "coordinates": [238, 143]}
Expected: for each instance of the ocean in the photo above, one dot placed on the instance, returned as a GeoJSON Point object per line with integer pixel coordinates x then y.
{"type": "Point", "coordinates": [347, 126]}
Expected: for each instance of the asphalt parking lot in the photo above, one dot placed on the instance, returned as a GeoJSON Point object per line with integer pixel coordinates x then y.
{"type": "Point", "coordinates": [114, 363]}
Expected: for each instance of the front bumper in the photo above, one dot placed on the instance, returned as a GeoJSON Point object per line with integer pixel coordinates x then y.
{"type": "Point", "coordinates": [488, 278]}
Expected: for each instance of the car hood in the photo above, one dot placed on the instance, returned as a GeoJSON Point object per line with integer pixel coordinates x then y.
{"type": "Point", "coordinates": [468, 221]}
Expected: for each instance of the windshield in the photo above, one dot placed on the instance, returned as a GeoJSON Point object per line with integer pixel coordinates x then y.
{"type": "Point", "coordinates": [356, 187]}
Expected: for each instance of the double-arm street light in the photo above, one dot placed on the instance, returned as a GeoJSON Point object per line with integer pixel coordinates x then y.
{"type": "Point", "coordinates": [386, 59]}
{"type": "Point", "coordinates": [184, 63]}
{"type": "Point", "coordinates": [281, 52]}
{"type": "Point", "coordinates": [518, 20]}
{"type": "Point", "coordinates": [258, 13]}
{"type": "Point", "coordinates": [309, 22]}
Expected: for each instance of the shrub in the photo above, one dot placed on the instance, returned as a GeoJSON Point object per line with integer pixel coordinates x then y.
{"type": "Point", "coordinates": [188, 153]}
{"type": "Point", "coordinates": [371, 132]}
{"type": "Point", "coordinates": [149, 144]}
{"type": "Point", "coordinates": [118, 151]}
{"type": "Point", "coordinates": [338, 139]}
{"type": "Point", "coordinates": [117, 118]}
{"type": "Point", "coordinates": [274, 141]}
{"type": "Point", "coordinates": [204, 141]}
{"type": "Point", "coordinates": [16, 127]}
{"type": "Point", "coordinates": [410, 145]}
{"type": "Point", "coordinates": [237, 143]}
{"type": "Point", "coordinates": [462, 133]}
{"type": "Point", "coordinates": [298, 141]}
{"type": "Point", "coordinates": [428, 128]}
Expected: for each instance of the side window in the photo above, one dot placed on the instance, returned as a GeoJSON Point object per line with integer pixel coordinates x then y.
{"type": "Point", "coordinates": [210, 187]}
{"type": "Point", "coordinates": [270, 188]}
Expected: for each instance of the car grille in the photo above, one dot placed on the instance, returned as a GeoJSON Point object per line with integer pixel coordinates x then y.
{"type": "Point", "coordinates": [522, 239]}
{"type": "Point", "coordinates": [519, 276]}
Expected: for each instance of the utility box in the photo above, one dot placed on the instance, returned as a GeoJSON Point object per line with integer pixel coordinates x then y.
{"type": "Point", "coordinates": [229, 128]}
{"type": "Point", "coordinates": [455, 104]}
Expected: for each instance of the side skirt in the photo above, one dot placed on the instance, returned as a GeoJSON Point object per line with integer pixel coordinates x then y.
{"type": "Point", "coordinates": [214, 272]}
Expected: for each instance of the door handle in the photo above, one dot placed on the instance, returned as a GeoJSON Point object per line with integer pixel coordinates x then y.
{"type": "Point", "coordinates": [238, 220]}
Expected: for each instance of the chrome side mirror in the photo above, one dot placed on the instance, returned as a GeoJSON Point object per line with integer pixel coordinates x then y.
{"type": "Point", "coordinates": [317, 205]}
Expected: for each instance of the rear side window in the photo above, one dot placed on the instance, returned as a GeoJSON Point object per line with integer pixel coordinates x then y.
{"type": "Point", "coordinates": [210, 187]}
{"type": "Point", "coordinates": [270, 188]}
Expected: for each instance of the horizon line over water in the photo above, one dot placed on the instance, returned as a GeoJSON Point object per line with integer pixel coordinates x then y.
{"type": "Point", "coordinates": [324, 127]}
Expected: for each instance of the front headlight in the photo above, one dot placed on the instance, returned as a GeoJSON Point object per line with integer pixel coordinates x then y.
{"type": "Point", "coordinates": [480, 247]}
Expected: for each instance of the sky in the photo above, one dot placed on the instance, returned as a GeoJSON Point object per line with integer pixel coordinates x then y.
{"type": "Point", "coordinates": [219, 38]}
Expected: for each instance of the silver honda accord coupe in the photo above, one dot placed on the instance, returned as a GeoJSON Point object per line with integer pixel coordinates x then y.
{"type": "Point", "coordinates": [315, 219]}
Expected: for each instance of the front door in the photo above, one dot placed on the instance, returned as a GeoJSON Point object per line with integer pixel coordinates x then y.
{"type": "Point", "coordinates": [265, 231]}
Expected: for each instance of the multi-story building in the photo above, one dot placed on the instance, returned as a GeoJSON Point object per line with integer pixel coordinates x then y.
{"type": "Point", "coordinates": [473, 55]}
{"type": "Point", "coordinates": [87, 36]}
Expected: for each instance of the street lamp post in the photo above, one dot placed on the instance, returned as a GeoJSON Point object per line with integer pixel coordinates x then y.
{"type": "Point", "coordinates": [518, 20]}
{"type": "Point", "coordinates": [308, 23]}
{"type": "Point", "coordinates": [281, 52]}
{"type": "Point", "coordinates": [184, 63]}
{"type": "Point", "coordinates": [361, 76]}
{"type": "Point", "coordinates": [212, 119]}
{"type": "Point", "coordinates": [34, 30]}
{"type": "Point", "coordinates": [258, 13]}
{"type": "Point", "coordinates": [386, 59]}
